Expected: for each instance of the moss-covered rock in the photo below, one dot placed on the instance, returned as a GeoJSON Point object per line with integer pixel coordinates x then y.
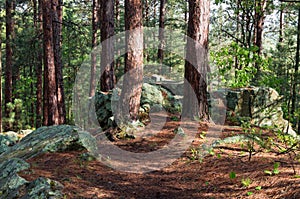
{"type": "Point", "coordinates": [10, 181]}
{"type": "Point", "coordinates": [14, 186]}
{"type": "Point", "coordinates": [151, 95]}
{"type": "Point", "coordinates": [50, 139]}
{"type": "Point", "coordinates": [5, 142]}
{"type": "Point", "coordinates": [154, 98]}
{"type": "Point", "coordinates": [261, 106]}
{"type": "Point", "coordinates": [43, 188]}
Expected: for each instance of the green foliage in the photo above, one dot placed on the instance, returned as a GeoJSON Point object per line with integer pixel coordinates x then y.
{"type": "Point", "coordinates": [249, 193]}
{"type": "Point", "coordinates": [275, 170]}
{"type": "Point", "coordinates": [236, 64]}
{"type": "Point", "coordinates": [246, 182]}
{"type": "Point", "coordinates": [16, 120]}
{"type": "Point", "coordinates": [232, 175]}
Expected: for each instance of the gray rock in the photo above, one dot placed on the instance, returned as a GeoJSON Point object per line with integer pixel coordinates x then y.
{"type": "Point", "coordinates": [5, 142]}
{"type": "Point", "coordinates": [10, 182]}
{"type": "Point", "coordinates": [50, 139]}
{"type": "Point", "coordinates": [159, 98]}
{"type": "Point", "coordinates": [151, 95]}
{"type": "Point", "coordinates": [105, 104]}
{"type": "Point", "coordinates": [43, 188]}
{"type": "Point", "coordinates": [261, 106]}
{"type": "Point", "coordinates": [14, 186]}
{"type": "Point", "coordinates": [154, 98]}
{"type": "Point", "coordinates": [12, 136]}
{"type": "Point", "coordinates": [25, 132]}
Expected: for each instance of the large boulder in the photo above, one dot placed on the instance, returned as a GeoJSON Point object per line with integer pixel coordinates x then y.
{"type": "Point", "coordinates": [10, 181]}
{"type": "Point", "coordinates": [14, 186]}
{"type": "Point", "coordinates": [105, 104]}
{"type": "Point", "coordinates": [44, 139]}
{"type": "Point", "coordinates": [261, 106]}
{"type": "Point", "coordinates": [154, 97]}
{"type": "Point", "coordinates": [50, 139]}
{"type": "Point", "coordinates": [5, 142]}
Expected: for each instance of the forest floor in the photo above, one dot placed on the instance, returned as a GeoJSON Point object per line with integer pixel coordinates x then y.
{"type": "Point", "coordinates": [185, 178]}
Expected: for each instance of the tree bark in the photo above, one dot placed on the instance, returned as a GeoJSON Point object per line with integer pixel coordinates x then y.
{"type": "Point", "coordinates": [196, 64]}
{"type": "Point", "coordinates": [50, 73]}
{"type": "Point", "coordinates": [162, 12]}
{"type": "Point", "coordinates": [57, 6]}
{"type": "Point", "coordinates": [95, 28]}
{"type": "Point", "coordinates": [132, 83]}
{"type": "Point", "coordinates": [9, 57]}
{"type": "Point", "coordinates": [296, 79]}
{"type": "Point", "coordinates": [0, 73]}
{"type": "Point", "coordinates": [260, 7]}
{"type": "Point", "coordinates": [107, 53]}
{"type": "Point", "coordinates": [118, 28]}
{"type": "Point", "coordinates": [281, 21]}
{"type": "Point", "coordinates": [39, 67]}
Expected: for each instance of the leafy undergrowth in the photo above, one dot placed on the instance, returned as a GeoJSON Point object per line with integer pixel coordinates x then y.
{"type": "Point", "coordinates": [237, 169]}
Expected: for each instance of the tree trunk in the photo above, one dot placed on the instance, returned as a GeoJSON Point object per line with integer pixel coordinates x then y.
{"type": "Point", "coordinates": [281, 21]}
{"type": "Point", "coordinates": [107, 53]}
{"type": "Point", "coordinates": [196, 64]}
{"type": "Point", "coordinates": [39, 68]}
{"type": "Point", "coordinates": [9, 57]}
{"type": "Point", "coordinates": [146, 20]}
{"type": "Point", "coordinates": [0, 73]}
{"type": "Point", "coordinates": [296, 79]}
{"type": "Point", "coordinates": [95, 28]}
{"type": "Point", "coordinates": [50, 73]}
{"type": "Point", "coordinates": [260, 7]}
{"type": "Point", "coordinates": [57, 39]}
{"type": "Point", "coordinates": [161, 34]}
{"type": "Point", "coordinates": [132, 83]}
{"type": "Point", "coordinates": [118, 28]}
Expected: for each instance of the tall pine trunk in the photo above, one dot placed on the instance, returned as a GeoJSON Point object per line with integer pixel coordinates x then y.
{"type": "Point", "coordinates": [132, 83]}
{"type": "Point", "coordinates": [95, 28]}
{"type": "Point", "coordinates": [260, 7]}
{"type": "Point", "coordinates": [49, 73]}
{"type": "Point", "coordinates": [57, 39]}
{"type": "Point", "coordinates": [161, 34]}
{"type": "Point", "coordinates": [9, 58]}
{"type": "Point", "coordinates": [296, 79]}
{"type": "Point", "coordinates": [196, 64]}
{"type": "Point", "coordinates": [39, 67]}
{"type": "Point", "coordinates": [0, 73]}
{"type": "Point", "coordinates": [107, 53]}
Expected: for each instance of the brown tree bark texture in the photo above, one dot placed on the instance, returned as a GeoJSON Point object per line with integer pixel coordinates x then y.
{"type": "Point", "coordinates": [49, 73]}
{"type": "Point", "coordinates": [132, 84]}
{"type": "Point", "coordinates": [107, 53]}
{"type": "Point", "coordinates": [57, 8]}
{"type": "Point", "coordinates": [39, 68]}
{"type": "Point", "coordinates": [197, 66]}
{"type": "Point", "coordinates": [95, 28]}
{"type": "Point", "coordinates": [9, 54]}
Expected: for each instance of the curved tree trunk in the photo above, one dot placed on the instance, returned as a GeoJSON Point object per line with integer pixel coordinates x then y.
{"type": "Point", "coordinates": [197, 66]}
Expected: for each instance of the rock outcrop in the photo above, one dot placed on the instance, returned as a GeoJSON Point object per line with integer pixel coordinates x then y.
{"type": "Point", "coordinates": [43, 140]}
{"type": "Point", "coordinates": [261, 106]}
{"type": "Point", "coordinates": [154, 98]}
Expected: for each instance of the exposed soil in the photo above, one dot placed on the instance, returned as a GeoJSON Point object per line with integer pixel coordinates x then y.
{"type": "Point", "coordinates": [184, 178]}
